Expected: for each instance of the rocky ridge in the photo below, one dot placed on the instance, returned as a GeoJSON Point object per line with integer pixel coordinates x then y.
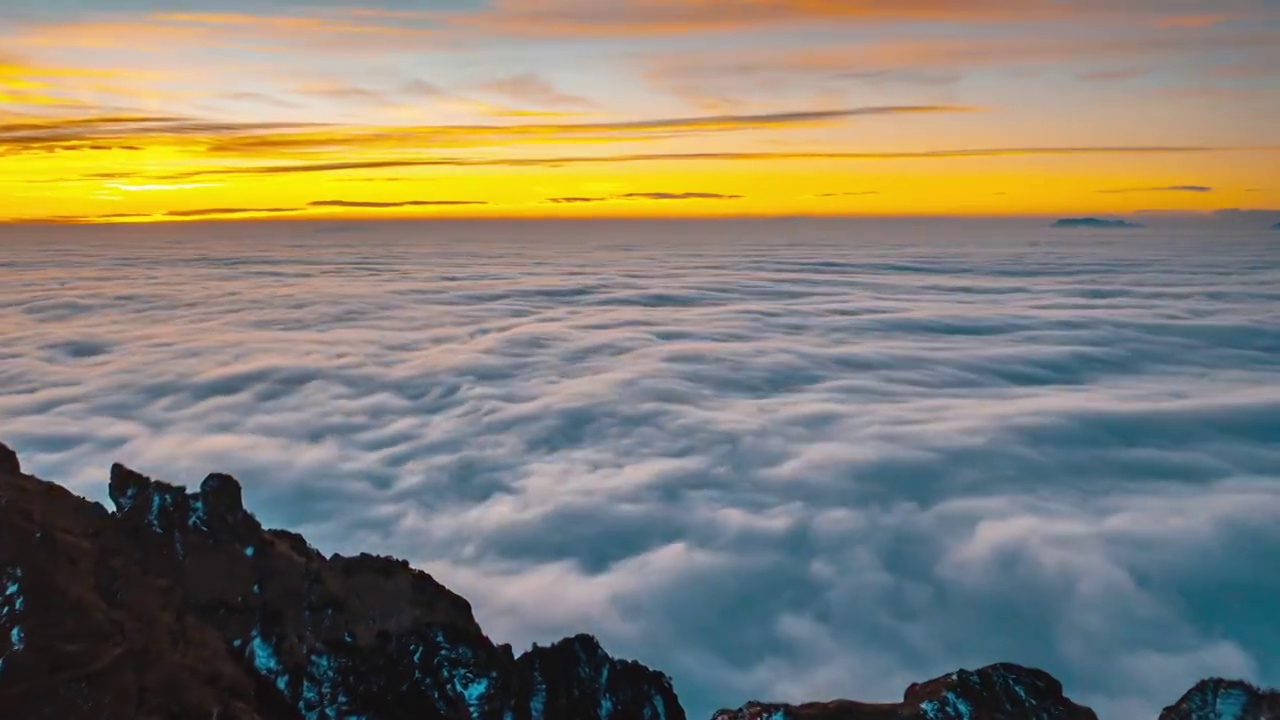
{"type": "Point", "coordinates": [1219, 699]}
{"type": "Point", "coordinates": [180, 605]}
{"type": "Point", "coordinates": [1004, 690]}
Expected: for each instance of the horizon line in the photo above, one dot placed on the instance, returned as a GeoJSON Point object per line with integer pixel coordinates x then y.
{"type": "Point", "coordinates": [159, 219]}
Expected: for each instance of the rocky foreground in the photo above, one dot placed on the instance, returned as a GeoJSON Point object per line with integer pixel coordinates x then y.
{"type": "Point", "coordinates": [182, 606]}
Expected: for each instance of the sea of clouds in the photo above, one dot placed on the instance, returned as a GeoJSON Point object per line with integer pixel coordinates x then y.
{"type": "Point", "coordinates": [784, 460]}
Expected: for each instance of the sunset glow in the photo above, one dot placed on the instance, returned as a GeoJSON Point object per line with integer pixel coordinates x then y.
{"type": "Point", "coordinates": [637, 108]}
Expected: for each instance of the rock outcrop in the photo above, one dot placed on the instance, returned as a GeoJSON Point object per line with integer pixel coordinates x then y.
{"type": "Point", "coordinates": [1218, 699]}
{"type": "Point", "coordinates": [181, 606]}
{"type": "Point", "coordinates": [996, 692]}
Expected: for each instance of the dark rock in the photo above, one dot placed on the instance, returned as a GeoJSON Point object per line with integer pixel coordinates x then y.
{"type": "Point", "coordinates": [220, 495]}
{"type": "Point", "coordinates": [995, 692]}
{"type": "Point", "coordinates": [1218, 699]}
{"type": "Point", "coordinates": [9, 463]}
{"type": "Point", "coordinates": [180, 605]}
{"type": "Point", "coordinates": [1096, 223]}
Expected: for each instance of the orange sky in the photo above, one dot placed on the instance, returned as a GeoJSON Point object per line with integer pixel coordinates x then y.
{"type": "Point", "coordinates": [568, 108]}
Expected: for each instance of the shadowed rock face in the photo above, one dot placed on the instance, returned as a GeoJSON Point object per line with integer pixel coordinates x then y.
{"type": "Point", "coordinates": [1217, 699]}
{"type": "Point", "coordinates": [9, 464]}
{"type": "Point", "coordinates": [996, 692]}
{"type": "Point", "coordinates": [181, 606]}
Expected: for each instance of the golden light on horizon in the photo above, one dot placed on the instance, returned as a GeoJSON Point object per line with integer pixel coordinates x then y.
{"type": "Point", "coordinates": [848, 109]}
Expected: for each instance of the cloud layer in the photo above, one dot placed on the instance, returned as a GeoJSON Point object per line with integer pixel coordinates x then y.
{"type": "Point", "coordinates": [670, 17]}
{"type": "Point", "coordinates": [230, 140]}
{"type": "Point", "coordinates": [296, 168]}
{"type": "Point", "coordinates": [822, 467]}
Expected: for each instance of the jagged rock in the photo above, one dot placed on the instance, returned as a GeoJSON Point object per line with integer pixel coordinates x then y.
{"type": "Point", "coordinates": [9, 461]}
{"type": "Point", "coordinates": [180, 605]}
{"type": "Point", "coordinates": [1218, 699]}
{"type": "Point", "coordinates": [995, 692]}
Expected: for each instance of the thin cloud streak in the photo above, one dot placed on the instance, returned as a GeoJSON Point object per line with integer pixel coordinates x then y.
{"type": "Point", "coordinates": [1166, 188]}
{"type": "Point", "coordinates": [532, 88]}
{"type": "Point", "coordinates": [699, 157]}
{"type": "Point", "coordinates": [488, 135]}
{"type": "Point", "coordinates": [399, 204]}
{"type": "Point", "coordinates": [159, 188]}
{"type": "Point", "coordinates": [136, 130]}
{"type": "Point", "coordinates": [656, 196]}
{"type": "Point", "coordinates": [677, 196]}
{"type": "Point", "coordinates": [202, 212]}
{"type": "Point", "coordinates": [246, 138]}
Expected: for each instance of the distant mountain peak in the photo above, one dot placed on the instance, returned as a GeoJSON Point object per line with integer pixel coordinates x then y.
{"type": "Point", "coordinates": [1096, 223]}
{"type": "Point", "coordinates": [1004, 691]}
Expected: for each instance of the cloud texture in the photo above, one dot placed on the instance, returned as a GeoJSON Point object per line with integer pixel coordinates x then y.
{"type": "Point", "coordinates": [823, 467]}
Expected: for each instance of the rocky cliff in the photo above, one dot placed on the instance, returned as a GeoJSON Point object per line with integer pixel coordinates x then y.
{"type": "Point", "coordinates": [180, 605]}
{"type": "Point", "coordinates": [1012, 692]}
{"type": "Point", "coordinates": [996, 691]}
{"type": "Point", "coordinates": [1218, 699]}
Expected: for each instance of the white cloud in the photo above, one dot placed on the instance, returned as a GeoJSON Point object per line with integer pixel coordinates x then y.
{"type": "Point", "coordinates": [827, 467]}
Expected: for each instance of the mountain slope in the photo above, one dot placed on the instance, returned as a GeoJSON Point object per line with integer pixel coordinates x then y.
{"type": "Point", "coordinates": [182, 606]}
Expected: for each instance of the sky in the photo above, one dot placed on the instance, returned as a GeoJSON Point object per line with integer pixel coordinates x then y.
{"type": "Point", "coordinates": [128, 111]}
